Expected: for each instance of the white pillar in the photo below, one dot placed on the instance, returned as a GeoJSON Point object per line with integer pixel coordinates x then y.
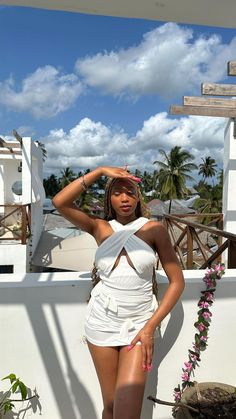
{"type": "Point", "coordinates": [229, 188]}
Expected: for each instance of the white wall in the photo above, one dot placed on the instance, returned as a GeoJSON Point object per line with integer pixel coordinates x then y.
{"type": "Point", "coordinates": [229, 201]}
{"type": "Point", "coordinates": [41, 321]}
{"type": "Point", "coordinates": [31, 159]}
{"type": "Point", "coordinates": [14, 254]}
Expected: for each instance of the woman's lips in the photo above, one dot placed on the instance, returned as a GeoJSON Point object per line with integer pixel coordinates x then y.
{"type": "Point", "coordinates": [125, 207]}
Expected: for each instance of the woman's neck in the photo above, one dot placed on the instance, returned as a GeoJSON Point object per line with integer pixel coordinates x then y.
{"type": "Point", "coordinates": [126, 220]}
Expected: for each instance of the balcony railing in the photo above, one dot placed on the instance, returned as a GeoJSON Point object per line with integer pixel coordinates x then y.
{"type": "Point", "coordinates": [198, 245]}
{"type": "Point", "coordinates": [20, 229]}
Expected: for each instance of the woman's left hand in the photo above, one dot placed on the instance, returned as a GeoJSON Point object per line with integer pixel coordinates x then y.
{"type": "Point", "coordinates": [147, 345]}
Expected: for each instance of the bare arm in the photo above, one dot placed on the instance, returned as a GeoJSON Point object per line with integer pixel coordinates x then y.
{"type": "Point", "coordinates": [174, 274]}
{"type": "Point", "coordinates": [64, 201]}
{"type": "Point", "coordinates": [175, 288]}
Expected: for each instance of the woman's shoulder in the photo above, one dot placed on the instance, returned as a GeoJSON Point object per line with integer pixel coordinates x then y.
{"type": "Point", "coordinates": [153, 224]}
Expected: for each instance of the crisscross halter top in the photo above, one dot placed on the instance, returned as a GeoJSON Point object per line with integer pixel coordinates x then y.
{"type": "Point", "coordinates": [142, 256]}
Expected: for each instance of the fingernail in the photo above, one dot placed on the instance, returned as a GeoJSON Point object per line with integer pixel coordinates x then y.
{"type": "Point", "coordinates": [149, 367]}
{"type": "Point", "coordinates": [144, 367]}
{"type": "Point", "coordinates": [129, 347]}
{"type": "Point", "coordinates": [137, 179]}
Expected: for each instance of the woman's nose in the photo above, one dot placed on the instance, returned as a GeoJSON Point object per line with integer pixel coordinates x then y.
{"type": "Point", "coordinates": [124, 197]}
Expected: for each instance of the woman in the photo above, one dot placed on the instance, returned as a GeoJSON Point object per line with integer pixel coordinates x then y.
{"type": "Point", "coordinates": [122, 314]}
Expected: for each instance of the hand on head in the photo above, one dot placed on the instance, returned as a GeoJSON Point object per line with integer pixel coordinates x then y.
{"type": "Point", "coordinates": [117, 172]}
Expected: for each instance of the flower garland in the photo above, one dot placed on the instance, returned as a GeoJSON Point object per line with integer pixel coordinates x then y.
{"type": "Point", "coordinates": [202, 325]}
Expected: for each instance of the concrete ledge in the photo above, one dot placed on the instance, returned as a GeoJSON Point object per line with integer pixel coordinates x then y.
{"type": "Point", "coordinates": [42, 316]}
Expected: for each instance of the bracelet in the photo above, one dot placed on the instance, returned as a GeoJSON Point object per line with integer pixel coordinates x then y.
{"type": "Point", "coordinates": [148, 335]}
{"type": "Point", "coordinates": [83, 184]}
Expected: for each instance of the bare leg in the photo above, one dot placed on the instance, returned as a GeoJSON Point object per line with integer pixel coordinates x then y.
{"type": "Point", "coordinates": [106, 363]}
{"type": "Point", "coordinates": [130, 384]}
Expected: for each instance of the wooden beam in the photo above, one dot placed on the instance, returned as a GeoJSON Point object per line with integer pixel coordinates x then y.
{"type": "Point", "coordinates": [9, 144]}
{"type": "Point", "coordinates": [203, 111]}
{"type": "Point", "coordinates": [209, 101]}
{"type": "Point", "coordinates": [218, 89]}
{"type": "Point", "coordinates": [17, 136]}
{"type": "Point", "coordinates": [232, 68]}
{"type": "Point", "coordinates": [10, 152]}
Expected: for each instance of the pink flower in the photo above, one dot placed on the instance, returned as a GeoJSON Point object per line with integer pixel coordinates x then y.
{"type": "Point", "coordinates": [177, 396]}
{"type": "Point", "coordinates": [210, 283]}
{"type": "Point", "coordinates": [204, 338]}
{"type": "Point", "coordinates": [193, 357]}
{"type": "Point", "coordinates": [209, 296]}
{"type": "Point", "coordinates": [185, 376]}
{"type": "Point", "coordinates": [195, 347]}
{"type": "Point", "coordinates": [201, 327]}
{"type": "Point", "coordinates": [188, 366]}
{"type": "Point", "coordinates": [203, 304]}
{"type": "Point", "coordinates": [206, 315]}
{"type": "Point", "coordinates": [219, 268]}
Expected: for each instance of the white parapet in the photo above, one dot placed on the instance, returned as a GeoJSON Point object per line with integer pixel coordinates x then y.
{"type": "Point", "coordinates": [41, 321]}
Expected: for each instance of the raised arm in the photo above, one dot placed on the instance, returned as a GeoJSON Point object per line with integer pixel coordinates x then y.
{"type": "Point", "coordinates": [64, 201]}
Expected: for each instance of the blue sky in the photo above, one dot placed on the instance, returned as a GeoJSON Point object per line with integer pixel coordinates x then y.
{"type": "Point", "coordinates": [97, 90]}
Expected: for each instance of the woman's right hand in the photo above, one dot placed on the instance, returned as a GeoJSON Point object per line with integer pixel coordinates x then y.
{"type": "Point", "coordinates": [117, 172]}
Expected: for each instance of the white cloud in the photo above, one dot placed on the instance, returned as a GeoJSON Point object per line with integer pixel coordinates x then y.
{"type": "Point", "coordinates": [168, 61]}
{"type": "Point", "coordinates": [90, 144]}
{"type": "Point", "coordinates": [44, 93]}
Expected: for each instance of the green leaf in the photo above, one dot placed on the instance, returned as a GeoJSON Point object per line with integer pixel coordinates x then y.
{"type": "Point", "coordinates": [15, 386]}
{"type": "Point", "coordinates": [197, 339]}
{"type": "Point", "coordinates": [8, 406]}
{"type": "Point", "coordinates": [23, 390]}
{"type": "Point", "coordinates": [11, 377]}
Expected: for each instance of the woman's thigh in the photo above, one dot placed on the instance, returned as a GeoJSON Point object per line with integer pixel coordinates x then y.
{"type": "Point", "coordinates": [130, 384]}
{"type": "Point", "coordinates": [106, 361]}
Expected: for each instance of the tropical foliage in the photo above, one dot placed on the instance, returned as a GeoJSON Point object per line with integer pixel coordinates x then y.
{"type": "Point", "coordinates": [168, 182]}
{"type": "Point", "coordinates": [174, 172]}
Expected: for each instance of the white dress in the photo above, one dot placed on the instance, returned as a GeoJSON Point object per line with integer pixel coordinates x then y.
{"type": "Point", "coordinates": [123, 301]}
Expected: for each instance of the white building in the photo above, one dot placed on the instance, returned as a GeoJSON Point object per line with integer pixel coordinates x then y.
{"type": "Point", "coordinates": [21, 203]}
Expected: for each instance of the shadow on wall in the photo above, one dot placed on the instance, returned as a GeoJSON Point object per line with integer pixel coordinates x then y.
{"type": "Point", "coordinates": [70, 394]}
{"type": "Point", "coordinates": [47, 308]}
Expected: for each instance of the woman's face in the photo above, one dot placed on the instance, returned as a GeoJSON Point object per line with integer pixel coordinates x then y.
{"type": "Point", "coordinates": [124, 197]}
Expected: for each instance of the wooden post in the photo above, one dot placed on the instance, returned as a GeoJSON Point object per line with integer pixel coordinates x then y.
{"type": "Point", "coordinates": [24, 224]}
{"type": "Point", "coordinates": [189, 248]}
{"type": "Point", "coordinates": [232, 254]}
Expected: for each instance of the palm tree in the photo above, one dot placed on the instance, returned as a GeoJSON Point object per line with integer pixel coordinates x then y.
{"type": "Point", "coordinates": [220, 178]}
{"type": "Point", "coordinates": [174, 171]}
{"type": "Point", "coordinates": [51, 185]}
{"type": "Point", "coordinates": [67, 176]}
{"type": "Point", "coordinates": [207, 168]}
{"type": "Point", "coordinates": [210, 200]}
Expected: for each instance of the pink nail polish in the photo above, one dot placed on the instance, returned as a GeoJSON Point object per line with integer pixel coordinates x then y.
{"type": "Point", "coordinates": [129, 347]}
{"type": "Point", "coordinates": [137, 179]}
